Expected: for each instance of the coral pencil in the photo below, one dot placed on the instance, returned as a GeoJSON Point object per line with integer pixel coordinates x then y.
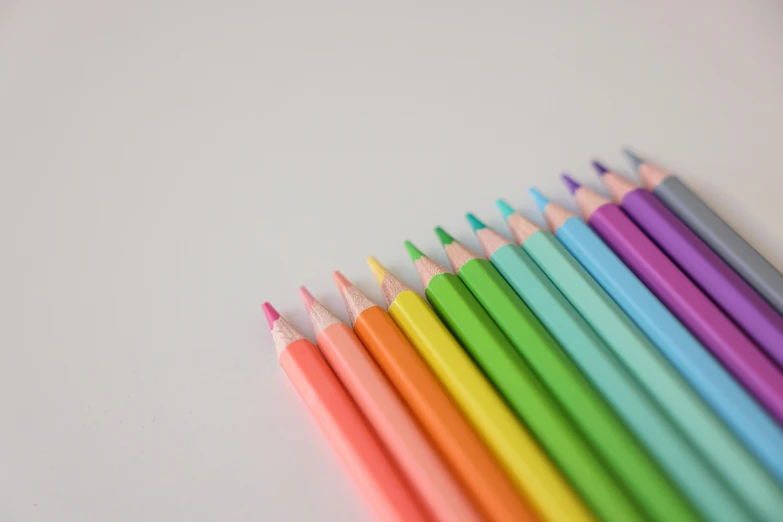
{"type": "Point", "coordinates": [709, 379]}
{"type": "Point", "coordinates": [724, 240]}
{"type": "Point", "coordinates": [373, 471]}
{"type": "Point", "coordinates": [448, 429]}
{"type": "Point", "coordinates": [516, 383]}
{"type": "Point", "coordinates": [619, 388]}
{"type": "Point", "coordinates": [696, 421]}
{"type": "Point", "coordinates": [696, 311]}
{"type": "Point", "coordinates": [388, 415]}
{"type": "Point", "coordinates": [740, 302]}
{"type": "Point", "coordinates": [603, 430]}
{"type": "Point", "coordinates": [528, 466]}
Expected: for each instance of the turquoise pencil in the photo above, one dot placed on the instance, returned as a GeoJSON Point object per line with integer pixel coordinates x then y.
{"type": "Point", "coordinates": [711, 496]}
{"type": "Point", "coordinates": [748, 421]}
{"type": "Point", "coordinates": [629, 345]}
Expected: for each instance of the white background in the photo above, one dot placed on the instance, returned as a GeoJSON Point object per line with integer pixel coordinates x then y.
{"type": "Point", "coordinates": [168, 165]}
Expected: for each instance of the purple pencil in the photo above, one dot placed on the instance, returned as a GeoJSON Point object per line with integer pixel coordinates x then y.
{"type": "Point", "coordinates": [700, 315]}
{"type": "Point", "coordinates": [737, 299]}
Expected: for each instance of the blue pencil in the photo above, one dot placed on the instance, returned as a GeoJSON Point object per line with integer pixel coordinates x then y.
{"type": "Point", "coordinates": [727, 398]}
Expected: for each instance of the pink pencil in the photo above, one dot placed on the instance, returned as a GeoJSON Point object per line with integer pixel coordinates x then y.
{"type": "Point", "coordinates": [683, 298]}
{"type": "Point", "coordinates": [372, 469]}
{"type": "Point", "coordinates": [386, 412]}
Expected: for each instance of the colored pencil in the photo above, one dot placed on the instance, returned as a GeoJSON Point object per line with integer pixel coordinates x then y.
{"type": "Point", "coordinates": [492, 351]}
{"type": "Point", "coordinates": [386, 412]}
{"type": "Point", "coordinates": [460, 446]}
{"type": "Point", "coordinates": [619, 388]}
{"type": "Point", "coordinates": [738, 300]}
{"type": "Point", "coordinates": [696, 311]}
{"type": "Point", "coordinates": [371, 468]}
{"type": "Point", "coordinates": [606, 433]}
{"type": "Point", "coordinates": [532, 471]}
{"type": "Point", "coordinates": [707, 377]}
{"type": "Point", "coordinates": [724, 240]}
{"type": "Point", "coordinates": [695, 420]}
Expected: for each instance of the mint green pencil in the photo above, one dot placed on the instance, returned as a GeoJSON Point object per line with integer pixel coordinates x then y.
{"type": "Point", "coordinates": [599, 425]}
{"type": "Point", "coordinates": [697, 480]}
{"type": "Point", "coordinates": [661, 381]}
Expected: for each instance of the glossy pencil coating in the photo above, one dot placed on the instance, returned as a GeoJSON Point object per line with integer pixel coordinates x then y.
{"type": "Point", "coordinates": [391, 419]}
{"type": "Point", "coordinates": [641, 414]}
{"type": "Point", "coordinates": [530, 468]}
{"type": "Point", "coordinates": [696, 311]}
{"type": "Point", "coordinates": [705, 432]}
{"type": "Point", "coordinates": [719, 235]}
{"type": "Point", "coordinates": [612, 441]}
{"type": "Point", "coordinates": [498, 359]}
{"type": "Point", "coordinates": [449, 430]}
{"type": "Point", "coordinates": [748, 309]}
{"type": "Point", "coordinates": [708, 378]}
{"type": "Point", "coordinates": [374, 472]}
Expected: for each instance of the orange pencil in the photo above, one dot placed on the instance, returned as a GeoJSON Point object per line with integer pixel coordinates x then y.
{"type": "Point", "coordinates": [386, 412]}
{"type": "Point", "coordinates": [372, 469]}
{"type": "Point", "coordinates": [459, 444]}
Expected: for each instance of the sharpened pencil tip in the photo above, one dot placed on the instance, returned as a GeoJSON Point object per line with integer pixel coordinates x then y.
{"type": "Point", "coordinates": [270, 313]}
{"type": "Point", "coordinates": [443, 236]}
{"type": "Point", "coordinates": [541, 200]}
{"type": "Point", "coordinates": [307, 298]}
{"type": "Point", "coordinates": [599, 167]}
{"type": "Point", "coordinates": [475, 223]}
{"type": "Point", "coordinates": [570, 183]}
{"type": "Point", "coordinates": [634, 159]}
{"type": "Point", "coordinates": [340, 280]}
{"type": "Point", "coordinates": [414, 252]}
{"type": "Point", "coordinates": [505, 208]}
{"type": "Point", "coordinates": [378, 270]}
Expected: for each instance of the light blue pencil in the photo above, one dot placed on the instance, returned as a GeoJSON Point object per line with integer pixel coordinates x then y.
{"type": "Point", "coordinates": [741, 413]}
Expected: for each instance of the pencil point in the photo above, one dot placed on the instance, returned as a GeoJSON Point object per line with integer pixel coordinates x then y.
{"type": "Point", "coordinates": [307, 298]}
{"type": "Point", "coordinates": [505, 208]}
{"type": "Point", "coordinates": [340, 280]}
{"type": "Point", "coordinates": [541, 200]}
{"type": "Point", "coordinates": [634, 159]}
{"type": "Point", "coordinates": [414, 252]}
{"type": "Point", "coordinates": [378, 270]}
{"type": "Point", "coordinates": [271, 314]}
{"type": "Point", "coordinates": [600, 168]}
{"type": "Point", "coordinates": [570, 183]}
{"type": "Point", "coordinates": [443, 236]}
{"type": "Point", "coordinates": [475, 223]}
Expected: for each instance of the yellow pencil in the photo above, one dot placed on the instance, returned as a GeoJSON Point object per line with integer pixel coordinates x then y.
{"type": "Point", "coordinates": [534, 474]}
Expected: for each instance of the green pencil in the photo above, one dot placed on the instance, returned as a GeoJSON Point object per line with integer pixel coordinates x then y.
{"type": "Point", "coordinates": [605, 432]}
{"type": "Point", "coordinates": [518, 385]}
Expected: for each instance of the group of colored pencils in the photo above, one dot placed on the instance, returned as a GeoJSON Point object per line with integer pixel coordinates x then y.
{"type": "Point", "coordinates": [623, 366]}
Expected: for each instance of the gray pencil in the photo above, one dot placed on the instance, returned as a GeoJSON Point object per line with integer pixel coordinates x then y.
{"type": "Point", "coordinates": [705, 223]}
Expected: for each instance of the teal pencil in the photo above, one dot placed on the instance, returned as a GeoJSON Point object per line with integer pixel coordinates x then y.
{"type": "Point", "coordinates": [711, 496]}
{"type": "Point", "coordinates": [630, 345]}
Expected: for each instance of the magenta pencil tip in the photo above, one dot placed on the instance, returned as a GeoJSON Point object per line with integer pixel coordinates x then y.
{"type": "Point", "coordinates": [271, 314]}
{"type": "Point", "coordinates": [570, 183]}
{"type": "Point", "coordinates": [600, 167]}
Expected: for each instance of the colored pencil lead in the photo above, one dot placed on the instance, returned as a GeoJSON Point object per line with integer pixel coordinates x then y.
{"type": "Point", "coordinates": [320, 317]}
{"type": "Point", "coordinates": [340, 280]}
{"type": "Point", "coordinates": [540, 200]}
{"type": "Point", "coordinates": [391, 287]}
{"type": "Point", "coordinates": [307, 298]}
{"type": "Point", "coordinates": [505, 209]}
{"type": "Point", "coordinates": [634, 159]}
{"type": "Point", "coordinates": [443, 236]}
{"type": "Point", "coordinates": [271, 314]}
{"type": "Point", "coordinates": [355, 301]}
{"type": "Point", "coordinates": [600, 167]}
{"type": "Point", "coordinates": [378, 270]}
{"type": "Point", "coordinates": [570, 183]}
{"type": "Point", "coordinates": [475, 223]}
{"type": "Point", "coordinates": [414, 252]}
{"type": "Point", "coordinates": [283, 333]}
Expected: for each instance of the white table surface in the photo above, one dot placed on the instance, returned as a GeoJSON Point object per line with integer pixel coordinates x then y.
{"type": "Point", "coordinates": [168, 165]}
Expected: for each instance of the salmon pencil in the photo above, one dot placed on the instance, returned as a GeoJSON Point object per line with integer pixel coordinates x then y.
{"type": "Point", "coordinates": [737, 299]}
{"type": "Point", "coordinates": [386, 412]}
{"type": "Point", "coordinates": [381, 483]}
{"type": "Point", "coordinates": [724, 240]}
{"type": "Point", "coordinates": [448, 429]}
